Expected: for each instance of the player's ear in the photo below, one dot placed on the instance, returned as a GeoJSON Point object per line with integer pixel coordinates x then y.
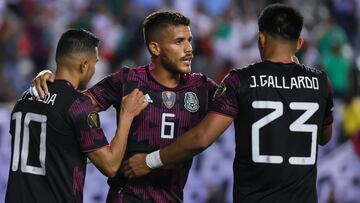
{"type": "Point", "coordinates": [154, 48]}
{"type": "Point", "coordinates": [261, 40]}
{"type": "Point", "coordinates": [84, 65]}
{"type": "Point", "coordinates": [299, 43]}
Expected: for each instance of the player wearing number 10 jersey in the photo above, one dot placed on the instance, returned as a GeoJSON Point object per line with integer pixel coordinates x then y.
{"type": "Point", "coordinates": [281, 110]}
{"type": "Point", "coordinates": [47, 165]}
{"type": "Point", "coordinates": [52, 137]}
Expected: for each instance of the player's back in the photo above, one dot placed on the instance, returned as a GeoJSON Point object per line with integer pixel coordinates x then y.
{"type": "Point", "coordinates": [282, 111]}
{"type": "Point", "coordinates": [46, 164]}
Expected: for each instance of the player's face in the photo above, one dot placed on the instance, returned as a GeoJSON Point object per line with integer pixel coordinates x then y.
{"type": "Point", "coordinates": [176, 50]}
{"type": "Point", "coordinates": [92, 59]}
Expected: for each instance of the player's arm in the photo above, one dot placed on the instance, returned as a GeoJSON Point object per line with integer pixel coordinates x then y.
{"type": "Point", "coordinates": [328, 118]}
{"type": "Point", "coordinates": [108, 159]}
{"type": "Point", "coordinates": [93, 101]}
{"type": "Point", "coordinates": [197, 139]}
{"type": "Point", "coordinates": [326, 135]}
{"type": "Point", "coordinates": [186, 146]}
{"type": "Point", "coordinates": [39, 87]}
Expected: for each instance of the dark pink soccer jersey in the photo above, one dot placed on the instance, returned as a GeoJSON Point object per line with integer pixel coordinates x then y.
{"type": "Point", "coordinates": [280, 111]}
{"type": "Point", "coordinates": [171, 112]}
{"type": "Point", "coordinates": [50, 139]}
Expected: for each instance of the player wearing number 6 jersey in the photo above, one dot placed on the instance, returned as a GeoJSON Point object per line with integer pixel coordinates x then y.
{"type": "Point", "coordinates": [282, 111]}
{"type": "Point", "coordinates": [178, 101]}
{"type": "Point", "coordinates": [52, 137]}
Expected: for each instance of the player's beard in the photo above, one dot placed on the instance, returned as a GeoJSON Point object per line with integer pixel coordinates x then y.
{"type": "Point", "coordinates": [174, 66]}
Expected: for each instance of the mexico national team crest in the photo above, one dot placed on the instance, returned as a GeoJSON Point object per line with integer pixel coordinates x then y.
{"type": "Point", "coordinates": [168, 98]}
{"type": "Point", "coordinates": [191, 102]}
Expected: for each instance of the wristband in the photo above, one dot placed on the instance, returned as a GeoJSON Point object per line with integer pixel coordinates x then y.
{"type": "Point", "coordinates": [153, 160]}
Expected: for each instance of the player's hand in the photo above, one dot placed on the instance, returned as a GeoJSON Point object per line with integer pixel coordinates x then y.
{"type": "Point", "coordinates": [135, 166]}
{"type": "Point", "coordinates": [295, 59]}
{"type": "Point", "coordinates": [133, 103]}
{"type": "Point", "coordinates": [39, 83]}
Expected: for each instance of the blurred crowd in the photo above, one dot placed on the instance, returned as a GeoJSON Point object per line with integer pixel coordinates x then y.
{"type": "Point", "coordinates": [225, 35]}
{"type": "Point", "coordinates": [224, 32]}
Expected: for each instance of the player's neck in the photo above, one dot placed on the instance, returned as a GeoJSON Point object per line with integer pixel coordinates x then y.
{"type": "Point", "coordinates": [165, 77]}
{"type": "Point", "coordinates": [279, 51]}
{"type": "Point", "coordinates": [62, 74]}
{"type": "Point", "coordinates": [279, 55]}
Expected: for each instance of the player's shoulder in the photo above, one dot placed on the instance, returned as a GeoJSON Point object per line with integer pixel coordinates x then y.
{"type": "Point", "coordinates": [125, 72]}
{"type": "Point", "coordinates": [312, 70]}
{"type": "Point", "coordinates": [121, 71]}
{"type": "Point", "coordinates": [198, 79]}
{"type": "Point", "coordinates": [136, 70]}
{"type": "Point", "coordinates": [195, 77]}
{"type": "Point", "coordinates": [63, 92]}
{"type": "Point", "coordinates": [245, 69]}
{"type": "Point", "coordinates": [241, 71]}
{"type": "Point", "coordinates": [61, 95]}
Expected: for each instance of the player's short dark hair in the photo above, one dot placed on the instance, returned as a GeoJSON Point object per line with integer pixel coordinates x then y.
{"type": "Point", "coordinates": [161, 19]}
{"type": "Point", "coordinates": [282, 21]}
{"type": "Point", "coordinates": [76, 41]}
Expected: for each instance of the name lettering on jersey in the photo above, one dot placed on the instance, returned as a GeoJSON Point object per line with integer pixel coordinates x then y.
{"type": "Point", "coordinates": [49, 99]}
{"type": "Point", "coordinates": [168, 98]}
{"type": "Point", "coordinates": [299, 82]}
{"type": "Point", "coordinates": [191, 102]}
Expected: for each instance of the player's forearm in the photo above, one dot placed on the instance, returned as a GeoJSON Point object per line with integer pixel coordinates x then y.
{"type": "Point", "coordinates": [196, 140]}
{"type": "Point", "coordinates": [183, 148]}
{"type": "Point", "coordinates": [326, 136]}
{"type": "Point", "coordinates": [191, 143]}
{"type": "Point", "coordinates": [119, 142]}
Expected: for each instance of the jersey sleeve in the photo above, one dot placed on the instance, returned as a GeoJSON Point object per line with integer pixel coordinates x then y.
{"type": "Point", "coordinates": [108, 91]}
{"type": "Point", "coordinates": [225, 97]}
{"type": "Point", "coordinates": [212, 87]}
{"type": "Point", "coordinates": [86, 123]}
{"type": "Point", "coordinates": [328, 119]}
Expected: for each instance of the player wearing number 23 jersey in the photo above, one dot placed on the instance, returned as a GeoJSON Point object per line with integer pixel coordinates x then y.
{"type": "Point", "coordinates": [279, 110]}
{"type": "Point", "coordinates": [171, 112]}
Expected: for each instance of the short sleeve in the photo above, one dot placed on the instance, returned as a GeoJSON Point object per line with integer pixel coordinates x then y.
{"type": "Point", "coordinates": [225, 99]}
{"type": "Point", "coordinates": [212, 87]}
{"type": "Point", "coordinates": [108, 91]}
{"type": "Point", "coordinates": [86, 123]}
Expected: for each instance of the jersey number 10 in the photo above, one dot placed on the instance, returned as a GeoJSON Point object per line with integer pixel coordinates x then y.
{"type": "Point", "coordinates": [25, 168]}
{"type": "Point", "coordinates": [297, 126]}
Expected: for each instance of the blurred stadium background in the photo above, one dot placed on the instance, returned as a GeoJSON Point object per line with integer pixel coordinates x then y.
{"type": "Point", "coordinates": [224, 37]}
